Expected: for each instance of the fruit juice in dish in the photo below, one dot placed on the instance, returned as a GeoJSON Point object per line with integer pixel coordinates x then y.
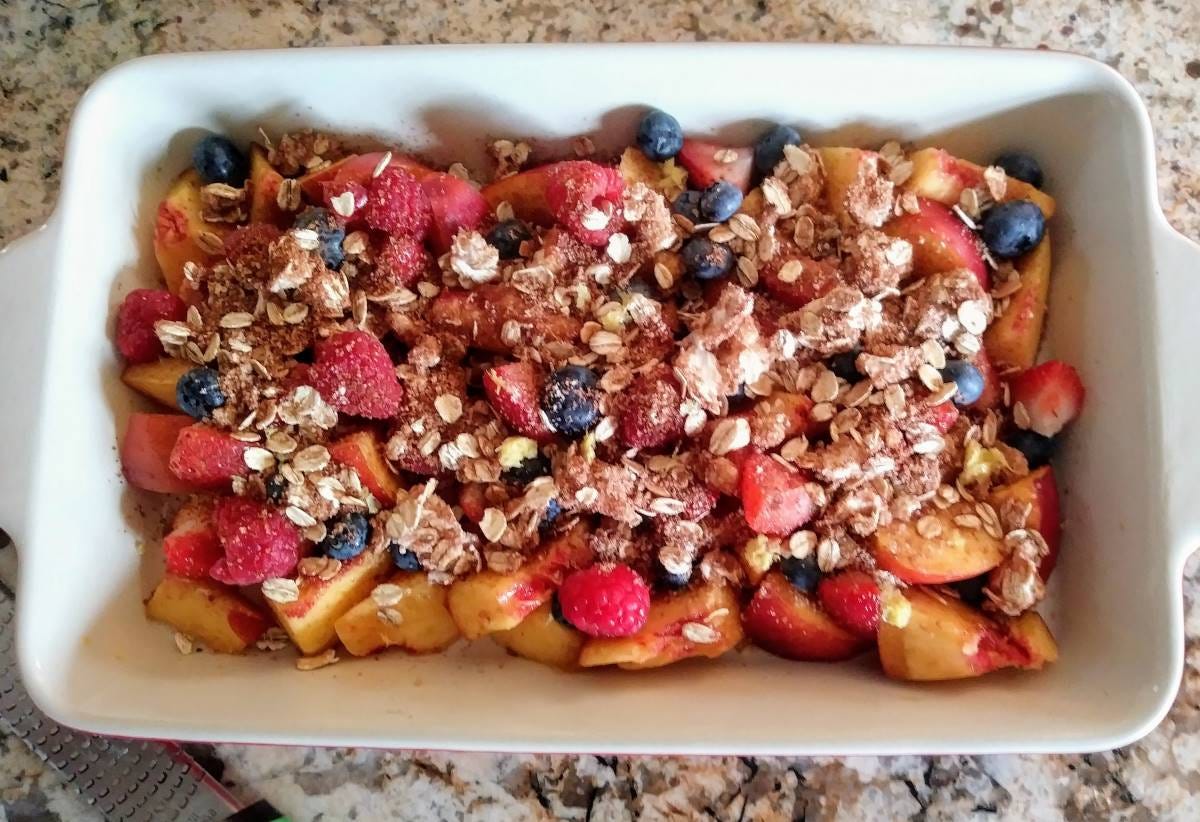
{"type": "Point", "coordinates": [605, 411]}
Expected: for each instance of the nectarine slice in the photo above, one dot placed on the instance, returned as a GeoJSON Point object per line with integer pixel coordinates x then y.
{"type": "Point", "coordinates": [1040, 491]}
{"type": "Point", "coordinates": [157, 379]}
{"type": "Point", "coordinates": [1014, 336]}
{"type": "Point", "coordinates": [543, 639]}
{"type": "Point", "coordinates": [207, 611]}
{"type": "Point", "coordinates": [418, 622]}
{"type": "Point", "coordinates": [789, 623]}
{"type": "Point", "coordinates": [939, 175]}
{"type": "Point", "coordinates": [953, 552]}
{"type": "Point", "coordinates": [363, 451]}
{"type": "Point", "coordinates": [178, 227]}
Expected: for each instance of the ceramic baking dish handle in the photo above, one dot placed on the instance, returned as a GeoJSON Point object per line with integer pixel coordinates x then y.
{"type": "Point", "coordinates": [24, 283]}
{"type": "Point", "coordinates": [1178, 272]}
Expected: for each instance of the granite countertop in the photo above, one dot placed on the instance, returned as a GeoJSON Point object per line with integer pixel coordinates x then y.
{"type": "Point", "coordinates": [51, 51]}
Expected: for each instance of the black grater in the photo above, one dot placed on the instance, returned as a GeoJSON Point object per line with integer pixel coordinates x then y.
{"type": "Point", "coordinates": [132, 780]}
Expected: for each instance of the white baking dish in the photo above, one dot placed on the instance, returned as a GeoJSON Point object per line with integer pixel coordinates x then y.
{"type": "Point", "coordinates": [1125, 302]}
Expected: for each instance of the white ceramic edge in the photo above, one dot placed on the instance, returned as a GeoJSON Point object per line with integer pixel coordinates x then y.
{"type": "Point", "coordinates": [1181, 526]}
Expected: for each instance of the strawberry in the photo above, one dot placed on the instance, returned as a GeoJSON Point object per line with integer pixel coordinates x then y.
{"type": "Point", "coordinates": [941, 416]}
{"type": "Point", "coordinates": [191, 548]}
{"type": "Point", "coordinates": [605, 600]}
{"type": "Point", "coordinates": [259, 542]}
{"type": "Point", "coordinates": [774, 499]}
{"type": "Point", "coordinates": [852, 599]}
{"type": "Point", "coordinates": [455, 204]}
{"type": "Point", "coordinates": [514, 391]}
{"type": "Point", "coordinates": [806, 279]}
{"type": "Point", "coordinates": [207, 457]}
{"type": "Point", "coordinates": [353, 372]}
{"type": "Point", "coordinates": [576, 190]}
{"type": "Point", "coordinates": [358, 198]}
{"type": "Point", "coordinates": [708, 162]}
{"type": "Point", "coordinates": [141, 308]}
{"type": "Point", "coordinates": [1052, 395]}
{"type": "Point", "coordinates": [649, 415]}
{"type": "Point", "coordinates": [397, 204]}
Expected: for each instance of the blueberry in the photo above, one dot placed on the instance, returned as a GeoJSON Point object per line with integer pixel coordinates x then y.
{"type": "Point", "coordinates": [1012, 228]}
{"type": "Point", "coordinates": [659, 135]}
{"type": "Point", "coordinates": [970, 590]}
{"type": "Point", "coordinates": [720, 201]}
{"type": "Point", "coordinates": [218, 160]}
{"type": "Point", "coordinates": [967, 378]}
{"type": "Point", "coordinates": [802, 573]}
{"type": "Point", "coordinates": [556, 611]}
{"type": "Point", "coordinates": [402, 559]}
{"type": "Point", "coordinates": [1021, 166]}
{"type": "Point", "coordinates": [1037, 449]}
{"type": "Point", "coordinates": [346, 537]}
{"type": "Point", "coordinates": [198, 393]}
{"type": "Point", "coordinates": [536, 466]}
{"type": "Point", "coordinates": [845, 365]}
{"type": "Point", "coordinates": [688, 204]}
{"type": "Point", "coordinates": [570, 400]}
{"type": "Point", "coordinates": [549, 517]}
{"type": "Point", "coordinates": [276, 489]}
{"type": "Point", "coordinates": [672, 581]}
{"type": "Point", "coordinates": [330, 233]}
{"type": "Point", "coordinates": [768, 151]}
{"type": "Point", "coordinates": [508, 236]}
{"type": "Point", "coordinates": [706, 260]}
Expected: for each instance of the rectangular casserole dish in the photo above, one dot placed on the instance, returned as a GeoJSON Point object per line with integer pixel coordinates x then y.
{"type": "Point", "coordinates": [1124, 304]}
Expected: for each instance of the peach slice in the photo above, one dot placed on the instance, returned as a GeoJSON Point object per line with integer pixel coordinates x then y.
{"type": "Point", "coordinates": [420, 623]}
{"type": "Point", "coordinates": [1014, 336]}
{"type": "Point", "coordinates": [702, 621]}
{"type": "Point", "coordinates": [264, 190]}
{"type": "Point", "coordinates": [157, 379]}
{"type": "Point", "coordinates": [310, 619]}
{"type": "Point", "coordinates": [481, 313]}
{"type": "Point", "coordinates": [489, 601]}
{"type": "Point", "coordinates": [841, 169]}
{"type": "Point", "coordinates": [946, 639]}
{"type": "Point", "coordinates": [1040, 491]}
{"type": "Point", "coordinates": [206, 611]}
{"type": "Point", "coordinates": [146, 452]}
{"type": "Point", "coordinates": [363, 451]}
{"type": "Point", "coordinates": [178, 227]}
{"type": "Point", "coordinates": [939, 175]}
{"type": "Point", "coordinates": [940, 241]}
{"type": "Point", "coordinates": [525, 192]}
{"type": "Point", "coordinates": [956, 552]}
{"type": "Point", "coordinates": [543, 639]}
{"type": "Point", "coordinates": [789, 623]}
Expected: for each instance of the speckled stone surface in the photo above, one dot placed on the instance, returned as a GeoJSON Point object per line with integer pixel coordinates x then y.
{"type": "Point", "coordinates": [51, 51]}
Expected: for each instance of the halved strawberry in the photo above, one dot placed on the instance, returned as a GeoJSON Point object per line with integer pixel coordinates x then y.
{"type": "Point", "coordinates": [852, 599]}
{"type": "Point", "coordinates": [1052, 395]}
{"type": "Point", "coordinates": [514, 391]}
{"type": "Point", "coordinates": [708, 162]}
{"type": "Point", "coordinates": [774, 499]}
{"type": "Point", "coordinates": [191, 548]}
{"type": "Point", "coordinates": [207, 457]}
{"type": "Point", "coordinates": [804, 279]}
{"type": "Point", "coordinates": [456, 205]}
{"type": "Point", "coordinates": [649, 414]}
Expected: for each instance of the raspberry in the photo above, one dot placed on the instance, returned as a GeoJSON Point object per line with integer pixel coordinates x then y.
{"type": "Point", "coordinates": [140, 309]}
{"type": "Point", "coordinates": [259, 542]}
{"type": "Point", "coordinates": [206, 457]}
{"type": "Point", "coordinates": [249, 244]}
{"type": "Point", "coordinates": [576, 189]}
{"type": "Point", "coordinates": [401, 263]}
{"type": "Point", "coordinates": [353, 373]}
{"type": "Point", "coordinates": [397, 204]}
{"type": "Point", "coordinates": [649, 415]}
{"type": "Point", "coordinates": [358, 191]}
{"type": "Point", "coordinates": [605, 600]}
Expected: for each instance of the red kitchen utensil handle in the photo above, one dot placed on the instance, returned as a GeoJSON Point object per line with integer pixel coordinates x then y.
{"type": "Point", "coordinates": [23, 340]}
{"type": "Point", "coordinates": [1177, 275]}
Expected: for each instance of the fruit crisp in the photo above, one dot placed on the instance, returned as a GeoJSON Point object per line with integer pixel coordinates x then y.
{"type": "Point", "coordinates": [609, 411]}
